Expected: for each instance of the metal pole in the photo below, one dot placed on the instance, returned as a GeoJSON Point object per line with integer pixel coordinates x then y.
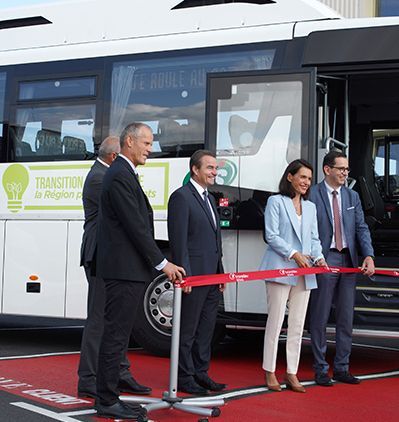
{"type": "Point", "coordinates": [174, 348]}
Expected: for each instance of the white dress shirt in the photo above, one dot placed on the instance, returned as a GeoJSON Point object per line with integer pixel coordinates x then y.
{"type": "Point", "coordinates": [330, 199]}
{"type": "Point", "coordinates": [201, 191]}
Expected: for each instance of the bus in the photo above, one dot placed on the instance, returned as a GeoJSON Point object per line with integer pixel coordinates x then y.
{"type": "Point", "coordinates": [259, 82]}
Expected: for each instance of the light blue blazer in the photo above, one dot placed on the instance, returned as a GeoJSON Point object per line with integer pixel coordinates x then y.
{"type": "Point", "coordinates": [284, 235]}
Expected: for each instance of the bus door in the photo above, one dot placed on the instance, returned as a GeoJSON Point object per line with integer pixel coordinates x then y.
{"type": "Point", "coordinates": [358, 114]}
{"type": "Point", "coordinates": [257, 122]}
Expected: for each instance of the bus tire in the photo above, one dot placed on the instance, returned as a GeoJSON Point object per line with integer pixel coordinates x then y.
{"type": "Point", "coordinates": [152, 328]}
{"type": "Point", "coordinates": [153, 323]}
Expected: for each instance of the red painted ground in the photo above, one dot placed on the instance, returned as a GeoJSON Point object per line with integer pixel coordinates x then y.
{"type": "Point", "coordinates": [240, 368]}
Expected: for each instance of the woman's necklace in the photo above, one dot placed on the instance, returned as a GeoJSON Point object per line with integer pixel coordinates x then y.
{"type": "Point", "coordinates": [298, 207]}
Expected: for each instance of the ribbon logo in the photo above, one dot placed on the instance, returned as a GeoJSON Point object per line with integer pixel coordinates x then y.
{"type": "Point", "coordinates": [238, 277]}
{"type": "Point", "coordinates": [288, 273]}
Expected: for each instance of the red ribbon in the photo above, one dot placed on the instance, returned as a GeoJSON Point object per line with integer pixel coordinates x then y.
{"type": "Point", "coordinates": [207, 280]}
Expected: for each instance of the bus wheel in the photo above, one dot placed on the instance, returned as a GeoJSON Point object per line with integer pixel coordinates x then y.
{"type": "Point", "coordinates": [153, 325]}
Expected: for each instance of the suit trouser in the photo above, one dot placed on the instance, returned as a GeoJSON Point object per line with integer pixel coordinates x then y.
{"type": "Point", "coordinates": [277, 296]}
{"type": "Point", "coordinates": [340, 289]}
{"type": "Point", "coordinates": [92, 334]}
{"type": "Point", "coordinates": [198, 319]}
{"type": "Point", "coordinates": [122, 299]}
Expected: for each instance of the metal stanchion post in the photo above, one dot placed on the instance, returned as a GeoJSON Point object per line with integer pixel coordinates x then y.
{"type": "Point", "coordinates": [198, 406]}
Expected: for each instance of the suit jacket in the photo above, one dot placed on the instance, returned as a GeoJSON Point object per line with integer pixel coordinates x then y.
{"type": "Point", "coordinates": [284, 235]}
{"type": "Point", "coordinates": [194, 240]}
{"type": "Point", "coordinates": [126, 246]}
{"type": "Point", "coordinates": [356, 230]}
{"type": "Point", "coordinates": [91, 199]}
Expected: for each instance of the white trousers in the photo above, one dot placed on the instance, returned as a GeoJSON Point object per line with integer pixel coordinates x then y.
{"type": "Point", "coordinates": [278, 295]}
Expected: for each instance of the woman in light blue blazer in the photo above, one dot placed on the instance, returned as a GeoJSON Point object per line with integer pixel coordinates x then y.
{"type": "Point", "coordinates": [293, 241]}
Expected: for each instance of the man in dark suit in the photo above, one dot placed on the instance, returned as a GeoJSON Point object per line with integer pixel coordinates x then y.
{"type": "Point", "coordinates": [195, 242]}
{"type": "Point", "coordinates": [126, 257]}
{"type": "Point", "coordinates": [92, 333]}
{"type": "Point", "coordinates": [343, 235]}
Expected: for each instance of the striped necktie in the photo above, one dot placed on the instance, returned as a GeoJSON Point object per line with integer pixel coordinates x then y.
{"type": "Point", "coordinates": [337, 222]}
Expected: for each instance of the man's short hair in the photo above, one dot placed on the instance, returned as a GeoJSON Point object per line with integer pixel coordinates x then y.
{"type": "Point", "coordinates": [196, 158]}
{"type": "Point", "coordinates": [329, 159]}
{"type": "Point", "coordinates": [109, 145]}
{"type": "Point", "coordinates": [134, 130]}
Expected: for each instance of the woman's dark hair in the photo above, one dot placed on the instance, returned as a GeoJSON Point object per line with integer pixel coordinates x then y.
{"type": "Point", "coordinates": [285, 186]}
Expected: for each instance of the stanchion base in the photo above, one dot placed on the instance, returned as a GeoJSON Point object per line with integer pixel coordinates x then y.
{"type": "Point", "coordinates": [208, 407]}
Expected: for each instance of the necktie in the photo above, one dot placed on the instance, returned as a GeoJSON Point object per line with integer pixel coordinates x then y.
{"type": "Point", "coordinates": [337, 222]}
{"type": "Point", "coordinates": [208, 207]}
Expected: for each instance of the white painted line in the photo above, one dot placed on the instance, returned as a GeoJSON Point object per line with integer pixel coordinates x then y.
{"type": "Point", "coordinates": [79, 412]}
{"type": "Point", "coordinates": [53, 415]}
{"type": "Point", "coordinates": [370, 346]}
{"type": "Point", "coordinates": [42, 355]}
{"type": "Point", "coordinates": [365, 345]}
{"type": "Point", "coordinates": [245, 392]}
{"type": "Point", "coordinates": [379, 375]}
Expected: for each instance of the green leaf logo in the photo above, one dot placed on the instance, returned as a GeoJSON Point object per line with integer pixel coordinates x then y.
{"type": "Point", "coordinates": [15, 181]}
{"type": "Point", "coordinates": [227, 172]}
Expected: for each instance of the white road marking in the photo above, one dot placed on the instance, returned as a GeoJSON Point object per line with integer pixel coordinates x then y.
{"type": "Point", "coordinates": [66, 416]}
{"type": "Point", "coordinates": [257, 390]}
{"type": "Point", "coordinates": [365, 345]}
{"type": "Point", "coordinates": [80, 412]}
{"type": "Point", "coordinates": [41, 355]}
{"type": "Point", "coordinates": [53, 415]}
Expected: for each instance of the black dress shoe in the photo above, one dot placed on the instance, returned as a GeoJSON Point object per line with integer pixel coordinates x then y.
{"type": "Point", "coordinates": [323, 379]}
{"type": "Point", "coordinates": [120, 410]}
{"type": "Point", "coordinates": [345, 377]}
{"type": "Point", "coordinates": [191, 387]}
{"type": "Point", "coordinates": [130, 385]}
{"type": "Point", "coordinates": [204, 381]}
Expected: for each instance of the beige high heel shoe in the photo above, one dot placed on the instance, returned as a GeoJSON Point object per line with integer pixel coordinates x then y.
{"type": "Point", "coordinates": [292, 383]}
{"type": "Point", "coordinates": [273, 384]}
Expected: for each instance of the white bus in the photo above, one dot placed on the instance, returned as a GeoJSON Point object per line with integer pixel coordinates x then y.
{"type": "Point", "coordinates": [260, 82]}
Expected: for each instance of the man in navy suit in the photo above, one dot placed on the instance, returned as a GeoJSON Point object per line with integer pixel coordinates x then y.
{"type": "Point", "coordinates": [343, 235]}
{"type": "Point", "coordinates": [127, 255]}
{"type": "Point", "coordinates": [195, 242]}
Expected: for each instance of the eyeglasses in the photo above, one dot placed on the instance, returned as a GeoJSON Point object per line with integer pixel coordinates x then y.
{"type": "Point", "coordinates": [341, 169]}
